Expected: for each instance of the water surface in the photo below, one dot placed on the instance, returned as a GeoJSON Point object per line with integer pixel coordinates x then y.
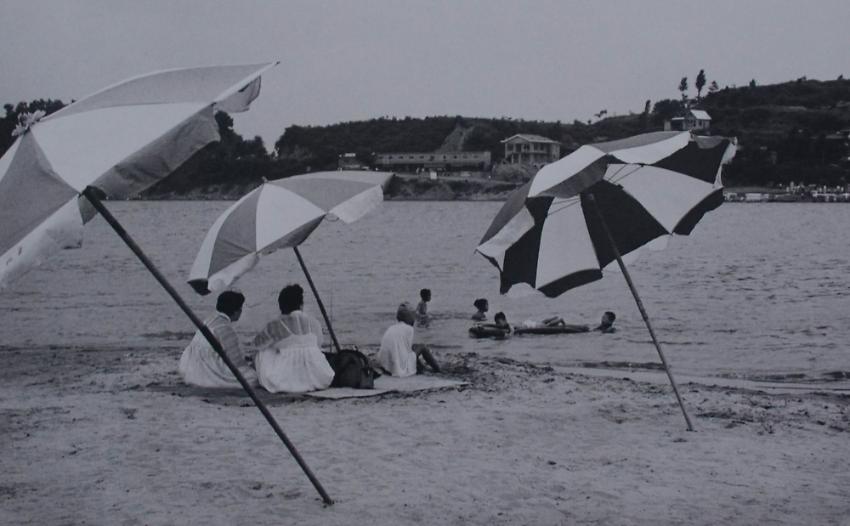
{"type": "Point", "coordinates": [756, 290]}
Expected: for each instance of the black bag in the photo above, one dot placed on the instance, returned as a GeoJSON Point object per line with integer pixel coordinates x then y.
{"type": "Point", "coordinates": [351, 369]}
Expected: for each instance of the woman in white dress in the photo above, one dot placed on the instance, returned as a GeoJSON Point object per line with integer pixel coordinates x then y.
{"type": "Point", "coordinates": [289, 357]}
{"type": "Point", "coordinates": [200, 365]}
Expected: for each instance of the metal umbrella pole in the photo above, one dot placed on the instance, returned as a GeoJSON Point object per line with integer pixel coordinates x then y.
{"type": "Point", "coordinates": [643, 313]}
{"type": "Point", "coordinates": [92, 195]}
{"type": "Point", "coordinates": [318, 298]}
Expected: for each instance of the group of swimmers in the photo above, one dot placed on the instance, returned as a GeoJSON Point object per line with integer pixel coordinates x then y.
{"type": "Point", "coordinates": [286, 355]}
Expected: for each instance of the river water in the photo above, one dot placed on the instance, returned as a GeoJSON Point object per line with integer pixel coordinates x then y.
{"type": "Point", "coordinates": [757, 290]}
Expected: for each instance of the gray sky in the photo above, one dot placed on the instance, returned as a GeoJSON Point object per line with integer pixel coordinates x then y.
{"type": "Point", "coordinates": [358, 59]}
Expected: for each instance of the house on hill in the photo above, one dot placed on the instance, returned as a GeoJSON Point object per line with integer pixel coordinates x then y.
{"type": "Point", "coordinates": [534, 150]}
{"type": "Point", "coordinates": [692, 120]}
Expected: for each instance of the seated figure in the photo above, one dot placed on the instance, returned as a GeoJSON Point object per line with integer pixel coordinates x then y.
{"type": "Point", "coordinates": [200, 365]}
{"type": "Point", "coordinates": [289, 357]}
{"type": "Point", "coordinates": [398, 355]}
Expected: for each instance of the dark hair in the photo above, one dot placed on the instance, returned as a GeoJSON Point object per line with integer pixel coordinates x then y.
{"type": "Point", "coordinates": [500, 314]}
{"type": "Point", "coordinates": [425, 293]}
{"type": "Point", "coordinates": [229, 302]}
{"type": "Point", "coordinates": [290, 298]}
{"type": "Point", "coordinates": [480, 303]}
{"type": "Point", "coordinates": [405, 314]}
{"type": "Point", "coordinates": [611, 315]}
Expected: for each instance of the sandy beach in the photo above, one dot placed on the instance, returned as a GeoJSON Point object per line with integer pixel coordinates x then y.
{"type": "Point", "coordinates": [112, 437]}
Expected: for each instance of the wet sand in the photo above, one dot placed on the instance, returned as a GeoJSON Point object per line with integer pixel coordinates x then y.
{"type": "Point", "coordinates": [112, 437]}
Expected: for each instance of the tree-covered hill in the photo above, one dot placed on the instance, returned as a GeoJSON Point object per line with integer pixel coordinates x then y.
{"type": "Point", "coordinates": [787, 132]}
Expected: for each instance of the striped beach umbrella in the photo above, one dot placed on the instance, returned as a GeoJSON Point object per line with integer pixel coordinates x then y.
{"type": "Point", "coordinates": [603, 201]}
{"type": "Point", "coordinates": [549, 234]}
{"type": "Point", "coordinates": [280, 214]}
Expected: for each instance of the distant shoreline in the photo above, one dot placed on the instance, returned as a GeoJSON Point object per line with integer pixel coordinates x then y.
{"type": "Point", "coordinates": [417, 188]}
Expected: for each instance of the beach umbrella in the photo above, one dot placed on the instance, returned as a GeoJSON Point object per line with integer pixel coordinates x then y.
{"type": "Point", "coordinates": [116, 143]}
{"type": "Point", "coordinates": [601, 202]}
{"type": "Point", "coordinates": [282, 214]}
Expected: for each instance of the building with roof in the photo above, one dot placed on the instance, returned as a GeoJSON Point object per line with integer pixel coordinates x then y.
{"type": "Point", "coordinates": [534, 150]}
{"type": "Point", "coordinates": [692, 120]}
{"type": "Point", "coordinates": [349, 161]}
{"type": "Point", "coordinates": [439, 161]}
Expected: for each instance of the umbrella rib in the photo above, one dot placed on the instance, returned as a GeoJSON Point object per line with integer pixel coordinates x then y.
{"type": "Point", "coordinates": [616, 177]}
{"type": "Point", "coordinates": [573, 201]}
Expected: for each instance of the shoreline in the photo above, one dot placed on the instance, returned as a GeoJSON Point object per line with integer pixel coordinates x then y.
{"type": "Point", "coordinates": [89, 435]}
{"type": "Point", "coordinates": [418, 188]}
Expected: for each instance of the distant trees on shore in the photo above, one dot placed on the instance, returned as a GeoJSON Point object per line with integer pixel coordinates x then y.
{"type": "Point", "coordinates": [787, 132]}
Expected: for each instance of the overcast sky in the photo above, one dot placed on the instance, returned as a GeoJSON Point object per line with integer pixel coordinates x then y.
{"type": "Point", "coordinates": [359, 59]}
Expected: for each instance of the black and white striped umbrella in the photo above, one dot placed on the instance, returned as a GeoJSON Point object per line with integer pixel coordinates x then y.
{"type": "Point", "coordinates": [549, 235]}
{"type": "Point", "coordinates": [601, 202]}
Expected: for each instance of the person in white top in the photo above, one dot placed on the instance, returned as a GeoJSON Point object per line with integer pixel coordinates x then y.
{"type": "Point", "coordinates": [398, 355]}
{"type": "Point", "coordinates": [200, 365]}
{"type": "Point", "coordinates": [289, 357]}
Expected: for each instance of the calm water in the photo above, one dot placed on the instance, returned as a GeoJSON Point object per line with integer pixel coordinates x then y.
{"type": "Point", "coordinates": [757, 288]}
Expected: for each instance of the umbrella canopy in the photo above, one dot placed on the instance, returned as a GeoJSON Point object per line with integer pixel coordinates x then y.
{"type": "Point", "coordinates": [646, 186]}
{"type": "Point", "coordinates": [120, 140]}
{"type": "Point", "coordinates": [280, 214]}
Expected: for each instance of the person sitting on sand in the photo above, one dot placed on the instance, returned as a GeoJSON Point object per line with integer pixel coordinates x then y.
{"type": "Point", "coordinates": [200, 365]}
{"type": "Point", "coordinates": [422, 318]}
{"type": "Point", "coordinates": [398, 355]}
{"type": "Point", "coordinates": [290, 359]}
{"type": "Point", "coordinates": [607, 324]}
{"type": "Point", "coordinates": [483, 306]}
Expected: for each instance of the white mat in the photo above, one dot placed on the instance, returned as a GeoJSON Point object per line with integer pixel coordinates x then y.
{"type": "Point", "coordinates": [390, 384]}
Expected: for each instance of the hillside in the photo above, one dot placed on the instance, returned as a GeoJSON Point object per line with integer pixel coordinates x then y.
{"type": "Point", "coordinates": [786, 132]}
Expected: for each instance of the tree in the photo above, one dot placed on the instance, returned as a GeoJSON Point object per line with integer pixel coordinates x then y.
{"type": "Point", "coordinates": [683, 87]}
{"type": "Point", "coordinates": [753, 83]}
{"type": "Point", "coordinates": [14, 112]}
{"type": "Point", "coordinates": [713, 87]}
{"type": "Point", "coordinates": [700, 82]}
{"type": "Point", "coordinates": [666, 109]}
{"type": "Point", "coordinates": [644, 117]}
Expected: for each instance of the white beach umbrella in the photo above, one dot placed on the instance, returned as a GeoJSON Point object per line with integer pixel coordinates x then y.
{"type": "Point", "coordinates": [117, 142]}
{"type": "Point", "coordinates": [281, 214]}
{"type": "Point", "coordinates": [120, 140]}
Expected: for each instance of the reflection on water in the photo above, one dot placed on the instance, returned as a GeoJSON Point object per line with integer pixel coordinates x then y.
{"type": "Point", "coordinates": [756, 290]}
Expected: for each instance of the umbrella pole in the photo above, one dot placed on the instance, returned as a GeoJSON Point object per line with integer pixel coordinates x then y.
{"type": "Point", "coordinates": [643, 313]}
{"type": "Point", "coordinates": [92, 195]}
{"type": "Point", "coordinates": [318, 298]}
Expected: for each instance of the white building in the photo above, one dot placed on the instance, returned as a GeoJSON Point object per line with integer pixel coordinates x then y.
{"type": "Point", "coordinates": [534, 150]}
{"type": "Point", "coordinates": [693, 120]}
